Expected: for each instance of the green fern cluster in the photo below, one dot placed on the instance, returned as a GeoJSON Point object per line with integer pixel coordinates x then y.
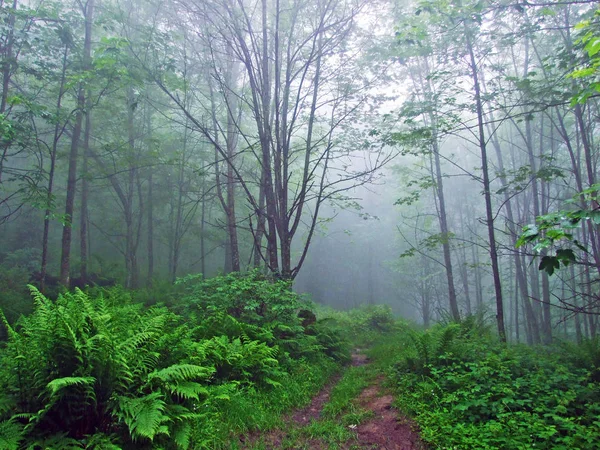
{"type": "Point", "coordinates": [96, 370]}
{"type": "Point", "coordinates": [428, 348]}
{"type": "Point", "coordinates": [91, 372]}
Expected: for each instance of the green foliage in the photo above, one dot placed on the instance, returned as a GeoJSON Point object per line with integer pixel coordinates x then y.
{"type": "Point", "coordinates": [466, 390]}
{"type": "Point", "coordinates": [15, 269]}
{"type": "Point", "coordinates": [253, 307]}
{"type": "Point", "coordinates": [554, 232]}
{"type": "Point", "coordinates": [589, 40]}
{"type": "Point", "coordinates": [100, 371]}
{"type": "Point", "coordinates": [253, 298]}
{"type": "Point", "coordinates": [86, 365]}
{"type": "Point", "coordinates": [242, 361]}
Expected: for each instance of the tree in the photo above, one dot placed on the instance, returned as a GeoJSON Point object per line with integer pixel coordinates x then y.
{"type": "Point", "coordinates": [87, 9]}
{"type": "Point", "coordinates": [291, 56]}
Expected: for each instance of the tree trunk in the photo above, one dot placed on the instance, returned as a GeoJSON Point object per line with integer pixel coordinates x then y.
{"type": "Point", "coordinates": [6, 75]}
{"type": "Point", "coordinates": [487, 192]}
{"type": "Point", "coordinates": [65, 263]}
{"type": "Point", "coordinates": [85, 188]}
{"type": "Point", "coordinates": [49, 198]}
{"type": "Point", "coordinates": [150, 207]}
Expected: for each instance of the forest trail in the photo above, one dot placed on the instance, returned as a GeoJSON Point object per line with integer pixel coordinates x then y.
{"type": "Point", "coordinates": [383, 427]}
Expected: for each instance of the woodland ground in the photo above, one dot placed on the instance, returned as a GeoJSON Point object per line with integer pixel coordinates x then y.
{"type": "Point", "coordinates": [241, 362]}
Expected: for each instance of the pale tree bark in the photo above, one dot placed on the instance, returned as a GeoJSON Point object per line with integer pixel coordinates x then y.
{"type": "Point", "coordinates": [150, 202]}
{"type": "Point", "coordinates": [85, 188]}
{"type": "Point", "coordinates": [233, 113]}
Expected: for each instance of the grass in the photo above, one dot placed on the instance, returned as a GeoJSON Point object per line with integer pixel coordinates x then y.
{"type": "Point", "coordinates": [339, 416]}
{"type": "Point", "coordinates": [252, 410]}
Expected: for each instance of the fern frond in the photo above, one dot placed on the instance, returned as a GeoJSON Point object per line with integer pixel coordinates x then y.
{"type": "Point", "coordinates": [187, 389]}
{"type": "Point", "coordinates": [182, 372]}
{"type": "Point", "coordinates": [11, 434]}
{"type": "Point", "coordinates": [144, 416]}
{"type": "Point", "coordinates": [137, 340]}
{"type": "Point", "coordinates": [445, 338]}
{"type": "Point", "coordinates": [181, 434]}
{"type": "Point", "coordinates": [12, 335]}
{"type": "Point", "coordinates": [40, 301]}
{"type": "Point", "coordinates": [59, 384]}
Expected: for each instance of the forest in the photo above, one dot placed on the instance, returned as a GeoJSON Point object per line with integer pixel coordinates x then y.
{"type": "Point", "coordinates": [299, 224]}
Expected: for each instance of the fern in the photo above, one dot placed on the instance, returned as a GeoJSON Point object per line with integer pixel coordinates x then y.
{"type": "Point", "coordinates": [59, 384]}
{"type": "Point", "coordinates": [445, 339]}
{"type": "Point", "coordinates": [182, 372]}
{"type": "Point", "coordinates": [144, 416]}
{"type": "Point", "coordinates": [11, 434]}
{"type": "Point", "coordinates": [187, 389]}
{"type": "Point", "coordinates": [181, 435]}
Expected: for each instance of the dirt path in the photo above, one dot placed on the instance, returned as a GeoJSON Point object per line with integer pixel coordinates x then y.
{"type": "Point", "coordinates": [311, 412]}
{"type": "Point", "coordinates": [385, 430]}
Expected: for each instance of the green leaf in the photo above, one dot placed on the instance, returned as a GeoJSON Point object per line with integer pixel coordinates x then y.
{"type": "Point", "coordinates": [549, 264]}
{"type": "Point", "coordinates": [593, 46]}
{"type": "Point", "coordinates": [566, 256]}
{"type": "Point", "coordinates": [144, 416]}
{"type": "Point", "coordinates": [59, 384]}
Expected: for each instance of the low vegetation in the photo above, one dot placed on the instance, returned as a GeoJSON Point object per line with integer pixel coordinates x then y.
{"type": "Point", "coordinates": [466, 390]}
{"type": "Point", "coordinates": [234, 355]}
{"type": "Point", "coordinates": [97, 370]}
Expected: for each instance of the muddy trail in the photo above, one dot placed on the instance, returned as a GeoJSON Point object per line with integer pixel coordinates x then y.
{"type": "Point", "coordinates": [383, 428]}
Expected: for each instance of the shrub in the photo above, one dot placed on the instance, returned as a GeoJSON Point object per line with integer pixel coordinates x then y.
{"type": "Point", "coordinates": [81, 367]}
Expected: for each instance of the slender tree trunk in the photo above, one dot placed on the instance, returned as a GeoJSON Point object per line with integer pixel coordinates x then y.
{"type": "Point", "coordinates": [202, 229]}
{"type": "Point", "coordinates": [445, 234]}
{"type": "Point", "coordinates": [130, 245]}
{"type": "Point", "coordinates": [8, 58]}
{"type": "Point", "coordinates": [49, 197]}
{"type": "Point", "coordinates": [487, 192]}
{"type": "Point", "coordinates": [437, 175]}
{"type": "Point", "coordinates": [150, 201]}
{"type": "Point", "coordinates": [260, 227]}
{"type": "Point", "coordinates": [85, 188]}
{"type": "Point", "coordinates": [65, 263]}
{"type": "Point", "coordinates": [478, 281]}
{"type": "Point", "coordinates": [230, 187]}
{"type": "Point", "coordinates": [7, 68]}
{"type": "Point", "coordinates": [574, 293]}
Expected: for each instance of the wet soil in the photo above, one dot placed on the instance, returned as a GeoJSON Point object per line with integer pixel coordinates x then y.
{"type": "Point", "coordinates": [387, 430]}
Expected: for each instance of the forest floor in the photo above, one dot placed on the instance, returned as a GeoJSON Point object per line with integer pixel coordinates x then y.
{"type": "Point", "coordinates": [353, 411]}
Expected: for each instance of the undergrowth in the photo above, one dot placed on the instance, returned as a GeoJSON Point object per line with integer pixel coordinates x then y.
{"type": "Point", "coordinates": [98, 370]}
{"type": "Point", "coordinates": [466, 390]}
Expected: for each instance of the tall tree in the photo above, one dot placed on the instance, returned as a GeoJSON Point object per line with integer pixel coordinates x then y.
{"type": "Point", "coordinates": [87, 9]}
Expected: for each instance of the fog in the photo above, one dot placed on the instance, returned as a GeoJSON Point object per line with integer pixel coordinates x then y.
{"type": "Point", "coordinates": [367, 152]}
